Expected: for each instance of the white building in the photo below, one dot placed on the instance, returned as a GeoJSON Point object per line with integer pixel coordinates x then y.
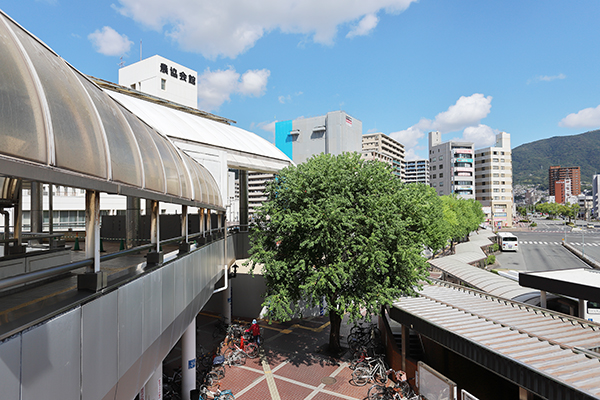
{"type": "Point", "coordinates": [451, 167]}
{"type": "Point", "coordinates": [493, 181]}
{"type": "Point", "coordinates": [417, 171]}
{"type": "Point", "coordinates": [381, 147]}
{"type": "Point", "coordinates": [162, 78]}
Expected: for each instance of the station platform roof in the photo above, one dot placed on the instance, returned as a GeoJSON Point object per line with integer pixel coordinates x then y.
{"type": "Point", "coordinates": [550, 354]}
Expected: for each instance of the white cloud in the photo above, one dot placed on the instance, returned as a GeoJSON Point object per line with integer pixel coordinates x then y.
{"type": "Point", "coordinates": [216, 87]}
{"type": "Point", "coordinates": [109, 42]}
{"type": "Point", "coordinates": [546, 78]}
{"type": "Point", "coordinates": [285, 99]}
{"type": "Point", "coordinates": [364, 27]}
{"type": "Point", "coordinates": [254, 82]}
{"type": "Point", "coordinates": [467, 111]}
{"type": "Point", "coordinates": [586, 118]}
{"type": "Point", "coordinates": [465, 114]}
{"type": "Point", "coordinates": [229, 28]}
{"type": "Point", "coordinates": [481, 135]}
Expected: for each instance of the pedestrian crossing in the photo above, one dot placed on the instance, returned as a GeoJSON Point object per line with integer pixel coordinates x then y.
{"type": "Point", "coordinates": [546, 243]}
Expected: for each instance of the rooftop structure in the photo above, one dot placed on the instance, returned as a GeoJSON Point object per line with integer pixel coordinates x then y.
{"type": "Point", "coordinates": [334, 133]}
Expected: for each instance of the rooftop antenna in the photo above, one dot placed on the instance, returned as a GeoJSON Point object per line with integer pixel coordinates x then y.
{"type": "Point", "coordinates": [140, 49]}
{"type": "Point", "coordinates": [121, 63]}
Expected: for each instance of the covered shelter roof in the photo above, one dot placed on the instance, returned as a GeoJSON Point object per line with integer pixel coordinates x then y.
{"type": "Point", "coordinates": [245, 150]}
{"type": "Point", "coordinates": [552, 355]}
{"type": "Point", "coordinates": [59, 126]}
{"type": "Point", "coordinates": [580, 283]}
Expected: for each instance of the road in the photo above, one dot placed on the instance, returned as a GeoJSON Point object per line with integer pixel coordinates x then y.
{"type": "Point", "coordinates": [542, 250]}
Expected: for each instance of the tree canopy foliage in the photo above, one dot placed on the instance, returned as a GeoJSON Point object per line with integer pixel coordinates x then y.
{"type": "Point", "coordinates": [350, 232]}
{"type": "Point", "coordinates": [554, 209]}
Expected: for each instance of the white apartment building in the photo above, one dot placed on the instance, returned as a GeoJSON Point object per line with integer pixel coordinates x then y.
{"type": "Point", "coordinates": [451, 167]}
{"type": "Point", "coordinates": [257, 182]}
{"type": "Point", "coordinates": [596, 196]}
{"type": "Point", "coordinates": [381, 147]}
{"type": "Point", "coordinates": [162, 78]}
{"type": "Point", "coordinates": [493, 181]}
{"type": "Point", "coordinates": [417, 171]}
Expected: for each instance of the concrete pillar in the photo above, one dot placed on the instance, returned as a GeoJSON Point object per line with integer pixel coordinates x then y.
{"type": "Point", "coordinates": [184, 246]}
{"type": "Point", "coordinates": [188, 359]}
{"type": "Point", "coordinates": [92, 228]}
{"type": "Point", "coordinates": [36, 214]}
{"type": "Point", "coordinates": [153, 388]}
{"type": "Point", "coordinates": [132, 223]}
{"type": "Point", "coordinates": [209, 222]}
{"type": "Point", "coordinates": [93, 279]}
{"type": "Point", "coordinates": [51, 208]}
{"type": "Point", "coordinates": [525, 394]}
{"type": "Point", "coordinates": [543, 300]}
{"type": "Point", "coordinates": [155, 256]}
{"type": "Point", "coordinates": [219, 223]}
{"type": "Point", "coordinates": [582, 308]}
{"type": "Point", "coordinates": [405, 338]}
{"type": "Point", "coordinates": [18, 218]}
{"type": "Point", "coordinates": [243, 200]}
{"type": "Point", "coordinates": [201, 221]}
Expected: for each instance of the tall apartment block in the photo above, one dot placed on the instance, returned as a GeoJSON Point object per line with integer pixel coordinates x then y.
{"type": "Point", "coordinates": [558, 173]}
{"type": "Point", "coordinates": [417, 171]}
{"type": "Point", "coordinates": [381, 147]}
{"type": "Point", "coordinates": [596, 196]}
{"type": "Point", "coordinates": [493, 181]}
{"type": "Point", "coordinates": [451, 167]}
{"type": "Point", "coordinates": [257, 182]}
{"type": "Point", "coordinates": [333, 133]}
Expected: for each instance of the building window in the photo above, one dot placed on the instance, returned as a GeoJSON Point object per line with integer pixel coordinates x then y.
{"type": "Point", "coordinates": [441, 166]}
{"type": "Point", "coordinates": [163, 84]}
{"type": "Point", "coordinates": [434, 167]}
{"type": "Point", "coordinates": [441, 184]}
{"type": "Point", "coordinates": [441, 175]}
{"type": "Point", "coordinates": [434, 176]}
{"type": "Point", "coordinates": [441, 158]}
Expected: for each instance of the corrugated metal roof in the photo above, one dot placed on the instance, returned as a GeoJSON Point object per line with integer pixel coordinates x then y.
{"type": "Point", "coordinates": [545, 342]}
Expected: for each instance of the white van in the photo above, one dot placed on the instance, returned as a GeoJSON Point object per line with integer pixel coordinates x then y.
{"type": "Point", "coordinates": [507, 241]}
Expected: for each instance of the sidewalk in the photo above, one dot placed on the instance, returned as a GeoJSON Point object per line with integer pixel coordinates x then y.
{"type": "Point", "coordinates": [292, 365]}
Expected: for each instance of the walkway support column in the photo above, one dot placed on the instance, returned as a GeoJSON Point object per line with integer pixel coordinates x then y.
{"type": "Point", "coordinates": [17, 247]}
{"type": "Point", "coordinates": [405, 338]}
{"type": "Point", "coordinates": [200, 239]}
{"type": "Point", "coordinates": [243, 200]}
{"type": "Point", "coordinates": [36, 209]}
{"type": "Point", "coordinates": [184, 246]}
{"type": "Point", "coordinates": [93, 279]}
{"type": "Point", "coordinates": [188, 358]}
{"type": "Point", "coordinates": [153, 388]}
{"type": "Point", "coordinates": [543, 300]}
{"type": "Point", "coordinates": [132, 222]}
{"type": "Point", "coordinates": [155, 256]}
{"type": "Point", "coordinates": [209, 224]}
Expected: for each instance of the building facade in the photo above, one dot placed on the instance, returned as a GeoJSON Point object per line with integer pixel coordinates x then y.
{"type": "Point", "coordinates": [493, 181]}
{"type": "Point", "coordinates": [334, 133]}
{"type": "Point", "coordinates": [558, 173]}
{"type": "Point", "coordinates": [451, 167]}
{"type": "Point", "coordinates": [257, 182]}
{"type": "Point", "coordinates": [381, 147]}
{"type": "Point", "coordinates": [417, 171]}
{"type": "Point", "coordinates": [596, 196]}
{"type": "Point", "coordinates": [162, 78]}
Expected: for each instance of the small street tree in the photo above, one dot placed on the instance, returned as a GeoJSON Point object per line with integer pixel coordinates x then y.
{"type": "Point", "coordinates": [349, 232]}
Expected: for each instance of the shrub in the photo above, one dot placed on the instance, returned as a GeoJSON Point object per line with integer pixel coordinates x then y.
{"type": "Point", "coordinates": [495, 247]}
{"type": "Point", "coordinates": [490, 259]}
{"type": "Point", "coordinates": [533, 225]}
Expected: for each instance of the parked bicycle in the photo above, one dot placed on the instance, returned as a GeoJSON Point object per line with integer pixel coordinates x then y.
{"type": "Point", "coordinates": [400, 389]}
{"type": "Point", "coordinates": [216, 395]}
{"type": "Point", "coordinates": [373, 369]}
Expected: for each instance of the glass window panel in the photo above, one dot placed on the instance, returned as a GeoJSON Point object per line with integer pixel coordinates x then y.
{"type": "Point", "coordinates": [153, 172]}
{"type": "Point", "coordinates": [64, 216]}
{"type": "Point", "coordinates": [78, 138]}
{"type": "Point", "coordinates": [124, 156]}
{"type": "Point", "coordinates": [23, 133]}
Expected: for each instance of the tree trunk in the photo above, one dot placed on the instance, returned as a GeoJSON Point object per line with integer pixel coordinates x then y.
{"type": "Point", "coordinates": [334, 334]}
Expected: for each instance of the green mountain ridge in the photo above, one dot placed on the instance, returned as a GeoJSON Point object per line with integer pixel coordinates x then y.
{"type": "Point", "coordinates": [530, 161]}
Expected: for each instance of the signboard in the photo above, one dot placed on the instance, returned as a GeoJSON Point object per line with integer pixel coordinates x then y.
{"type": "Point", "coordinates": [174, 73]}
{"type": "Point", "coordinates": [469, 160]}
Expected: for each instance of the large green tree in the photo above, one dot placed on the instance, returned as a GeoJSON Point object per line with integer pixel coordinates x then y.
{"type": "Point", "coordinates": [344, 230]}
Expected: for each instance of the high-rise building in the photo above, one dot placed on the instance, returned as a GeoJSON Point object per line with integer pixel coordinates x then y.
{"type": "Point", "coordinates": [417, 171]}
{"type": "Point", "coordinates": [451, 167]}
{"type": "Point", "coordinates": [257, 182]}
{"type": "Point", "coordinates": [381, 147]}
{"type": "Point", "coordinates": [334, 133]}
{"type": "Point", "coordinates": [493, 181]}
{"type": "Point", "coordinates": [596, 196]}
{"type": "Point", "coordinates": [558, 173]}
{"type": "Point", "coordinates": [162, 78]}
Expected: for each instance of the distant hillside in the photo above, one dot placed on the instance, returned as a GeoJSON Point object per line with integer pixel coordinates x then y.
{"type": "Point", "coordinates": [532, 160]}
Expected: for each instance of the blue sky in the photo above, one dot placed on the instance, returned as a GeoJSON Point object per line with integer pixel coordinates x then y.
{"type": "Point", "coordinates": [467, 68]}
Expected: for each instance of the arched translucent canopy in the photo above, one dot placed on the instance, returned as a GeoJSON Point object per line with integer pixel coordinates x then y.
{"type": "Point", "coordinates": [58, 126]}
